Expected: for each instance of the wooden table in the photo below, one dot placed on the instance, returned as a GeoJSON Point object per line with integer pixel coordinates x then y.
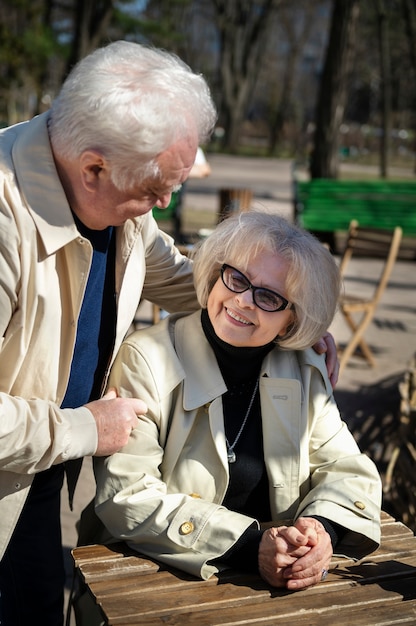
{"type": "Point", "coordinates": [379, 590]}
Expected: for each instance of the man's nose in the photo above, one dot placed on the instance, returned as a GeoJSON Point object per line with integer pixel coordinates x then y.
{"type": "Point", "coordinates": [164, 201]}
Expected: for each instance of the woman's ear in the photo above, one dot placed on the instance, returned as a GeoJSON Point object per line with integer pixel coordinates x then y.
{"type": "Point", "coordinates": [286, 330]}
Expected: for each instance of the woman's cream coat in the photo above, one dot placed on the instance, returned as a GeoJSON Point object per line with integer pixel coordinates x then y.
{"type": "Point", "coordinates": [163, 492]}
{"type": "Point", "coordinates": [44, 267]}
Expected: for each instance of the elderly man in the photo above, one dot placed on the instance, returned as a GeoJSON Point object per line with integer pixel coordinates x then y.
{"type": "Point", "coordinates": [78, 249]}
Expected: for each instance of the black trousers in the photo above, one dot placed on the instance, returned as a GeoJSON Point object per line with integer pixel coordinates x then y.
{"type": "Point", "coordinates": [32, 573]}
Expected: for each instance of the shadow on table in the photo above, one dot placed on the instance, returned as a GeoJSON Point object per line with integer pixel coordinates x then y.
{"type": "Point", "coordinates": [394, 576]}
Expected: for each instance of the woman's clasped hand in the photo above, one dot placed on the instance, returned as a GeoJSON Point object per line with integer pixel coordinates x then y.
{"type": "Point", "coordinates": [295, 556]}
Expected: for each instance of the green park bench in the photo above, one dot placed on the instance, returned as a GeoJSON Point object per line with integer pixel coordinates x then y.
{"type": "Point", "coordinates": [325, 206]}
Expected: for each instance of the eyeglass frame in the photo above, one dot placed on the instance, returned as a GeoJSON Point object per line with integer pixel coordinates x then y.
{"type": "Point", "coordinates": [253, 288]}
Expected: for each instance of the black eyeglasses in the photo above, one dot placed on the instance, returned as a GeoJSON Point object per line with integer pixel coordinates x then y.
{"type": "Point", "coordinates": [265, 299]}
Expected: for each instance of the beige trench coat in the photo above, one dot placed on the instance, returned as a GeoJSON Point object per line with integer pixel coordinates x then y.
{"type": "Point", "coordinates": [44, 266]}
{"type": "Point", "coordinates": [163, 492]}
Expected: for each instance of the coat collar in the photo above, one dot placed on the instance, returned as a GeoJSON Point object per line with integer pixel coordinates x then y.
{"type": "Point", "coordinates": [39, 181]}
{"type": "Point", "coordinates": [204, 382]}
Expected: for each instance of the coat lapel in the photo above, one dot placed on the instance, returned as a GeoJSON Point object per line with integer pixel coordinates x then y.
{"type": "Point", "coordinates": [200, 406]}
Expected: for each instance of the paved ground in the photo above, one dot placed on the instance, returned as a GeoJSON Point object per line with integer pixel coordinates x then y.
{"type": "Point", "coordinates": [368, 397]}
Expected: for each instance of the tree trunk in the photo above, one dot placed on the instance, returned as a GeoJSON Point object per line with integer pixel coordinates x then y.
{"type": "Point", "coordinates": [297, 39]}
{"type": "Point", "coordinates": [242, 26]}
{"type": "Point", "coordinates": [384, 47]}
{"type": "Point", "coordinates": [333, 87]}
{"type": "Point", "coordinates": [92, 19]}
{"type": "Point", "coordinates": [409, 13]}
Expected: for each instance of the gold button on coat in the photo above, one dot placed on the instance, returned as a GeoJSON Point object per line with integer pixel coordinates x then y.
{"type": "Point", "coordinates": [186, 528]}
{"type": "Point", "coordinates": [359, 505]}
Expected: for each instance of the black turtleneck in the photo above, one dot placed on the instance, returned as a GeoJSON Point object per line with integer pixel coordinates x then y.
{"type": "Point", "coordinates": [248, 490]}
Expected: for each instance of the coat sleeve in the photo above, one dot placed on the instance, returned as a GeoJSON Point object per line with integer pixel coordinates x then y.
{"type": "Point", "coordinates": [34, 433]}
{"type": "Point", "coordinates": [38, 434]}
{"type": "Point", "coordinates": [133, 500]}
{"type": "Point", "coordinates": [344, 484]}
{"type": "Point", "coordinates": [169, 279]}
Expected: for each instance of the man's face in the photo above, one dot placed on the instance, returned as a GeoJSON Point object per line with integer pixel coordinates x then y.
{"type": "Point", "coordinates": [104, 205]}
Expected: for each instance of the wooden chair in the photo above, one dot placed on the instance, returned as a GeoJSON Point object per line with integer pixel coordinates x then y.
{"type": "Point", "coordinates": [399, 482]}
{"type": "Point", "coordinates": [374, 243]}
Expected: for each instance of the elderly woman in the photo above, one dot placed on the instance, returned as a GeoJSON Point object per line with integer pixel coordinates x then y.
{"type": "Point", "coordinates": [242, 430]}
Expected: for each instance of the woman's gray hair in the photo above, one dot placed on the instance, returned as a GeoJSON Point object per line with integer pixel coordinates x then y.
{"type": "Point", "coordinates": [130, 103]}
{"type": "Point", "coordinates": [312, 282]}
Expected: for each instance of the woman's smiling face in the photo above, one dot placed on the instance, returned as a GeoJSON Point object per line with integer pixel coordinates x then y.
{"type": "Point", "coordinates": [236, 318]}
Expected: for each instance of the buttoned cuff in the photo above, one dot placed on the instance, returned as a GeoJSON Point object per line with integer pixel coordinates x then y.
{"type": "Point", "coordinates": [82, 436]}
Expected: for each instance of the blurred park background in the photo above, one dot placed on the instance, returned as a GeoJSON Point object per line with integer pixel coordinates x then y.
{"type": "Point", "coordinates": [321, 82]}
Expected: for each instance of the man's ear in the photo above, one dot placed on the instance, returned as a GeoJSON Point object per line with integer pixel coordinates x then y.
{"type": "Point", "coordinates": [93, 167]}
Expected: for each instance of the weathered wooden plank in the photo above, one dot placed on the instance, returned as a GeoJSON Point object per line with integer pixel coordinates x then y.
{"type": "Point", "coordinates": [196, 594]}
{"type": "Point", "coordinates": [394, 547]}
{"type": "Point", "coordinates": [391, 615]}
{"type": "Point", "coordinates": [390, 528]}
{"type": "Point", "coordinates": [98, 552]}
{"type": "Point", "coordinates": [149, 584]}
{"type": "Point", "coordinates": [280, 608]}
{"type": "Point", "coordinates": [395, 614]}
{"type": "Point", "coordinates": [94, 570]}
